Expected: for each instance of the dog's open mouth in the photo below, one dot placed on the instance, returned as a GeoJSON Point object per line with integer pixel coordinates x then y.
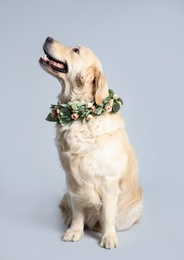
{"type": "Point", "coordinates": [54, 64]}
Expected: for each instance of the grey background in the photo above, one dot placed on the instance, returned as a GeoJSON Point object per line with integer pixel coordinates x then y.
{"type": "Point", "coordinates": [141, 47]}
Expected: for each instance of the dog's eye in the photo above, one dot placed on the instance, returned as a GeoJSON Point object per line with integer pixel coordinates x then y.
{"type": "Point", "coordinates": [76, 50]}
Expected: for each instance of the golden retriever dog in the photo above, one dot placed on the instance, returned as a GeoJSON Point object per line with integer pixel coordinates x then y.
{"type": "Point", "coordinates": [100, 164]}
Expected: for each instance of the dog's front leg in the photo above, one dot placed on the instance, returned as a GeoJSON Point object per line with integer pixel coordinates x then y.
{"type": "Point", "coordinates": [109, 209]}
{"type": "Point", "coordinates": [75, 232]}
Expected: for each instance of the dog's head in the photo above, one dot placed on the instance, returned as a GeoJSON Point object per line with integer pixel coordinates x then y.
{"type": "Point", "coordinates": [78, 70]}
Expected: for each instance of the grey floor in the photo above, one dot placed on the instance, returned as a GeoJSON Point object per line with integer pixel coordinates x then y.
{"type": "Point", "coordinates": [140, 45]}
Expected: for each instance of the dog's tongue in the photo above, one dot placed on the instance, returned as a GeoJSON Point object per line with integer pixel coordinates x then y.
{"type": "Point", "coordinates": [59, 65]}
{"type": "Point", "coordinates": [54, 63]}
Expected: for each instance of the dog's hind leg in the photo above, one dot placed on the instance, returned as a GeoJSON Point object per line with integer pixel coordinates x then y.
{"type": "Point", "coordinates": [129, 210]}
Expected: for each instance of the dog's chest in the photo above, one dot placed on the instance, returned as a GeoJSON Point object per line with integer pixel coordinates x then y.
{"type": "Point", "coordinates": [86, 155]}
{"type": "Point", "coordinates": [75, 139]}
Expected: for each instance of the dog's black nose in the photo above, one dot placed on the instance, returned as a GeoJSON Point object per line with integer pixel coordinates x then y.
{"type": "Point", "coordinates": [49, 39]}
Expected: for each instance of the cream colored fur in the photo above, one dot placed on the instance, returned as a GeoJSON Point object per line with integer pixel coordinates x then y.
{"type": "Point", "coordinates": [99, 162]}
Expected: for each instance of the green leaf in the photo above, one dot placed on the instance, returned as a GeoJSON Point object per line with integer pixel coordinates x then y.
{"type": "Point", "coordinates": [66, 111]}
{"type": "Point", "coordinates": [50, 118]}
{"type": "Point", "coordinates": [120, 100]}
{"type": "Point", "coordinates": [111, 93]}
{"type": "Point", "coordinates": [98, 111]}
{"type": "Point", "coordinates": [79, 104]}
{"type": "Point", "coordinates": [116, 107]}
{"type": "Point", "coordinates": [64, 105]}
{"type": "Point", "coordinates": [66, 118]}
{"type": "Point", "coordinates": [63, 122]}
{"type": "Point", "coordinates": [73, 105]}
{"type": "Point", "coordinates": [81, 110]}
{"type": "Point", "coordinates": [107, 99]}
{"type": "Point", "coordinates": [87, 113]}
{"type": "Point", "coordinates": [84, 121]}
{"type": "Point", "coordinates": [53, 106]}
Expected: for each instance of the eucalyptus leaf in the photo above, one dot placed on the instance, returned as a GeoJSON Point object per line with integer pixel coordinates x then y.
{"type": "Point", "coordinates": [74, 106]}
{"type": "Point", "coordinates": [116, 107]}
{"type": "Point", "coordinates": [79, 104]}
{"type": "Point", "coordinates": [63, 123]}
{"type": "Point", "coordinates": [53, 106]}
{"type": "Point", "coordinates": [107, 99]}
{"type": "Point", "coordinates": [50, 118]}
{"type": "Point", "coordinates": [66, 111]}
{"type": "Point", "coordinates": [88, 112]}
{"type": "Point", "coordinates": [98, 111]}
{"type": "Point", "coordinates": [84, 121]}
{"type": "Point", "coordinates": [64, 105]}
{"type": "Point", "coordinates": [81, 109]}
{"type": "Point", "coordinates": [64, 117]}
{"type": "Point", "coordinates": [120, 100]}
{"type": "Point", "coordinates": [111, 93]}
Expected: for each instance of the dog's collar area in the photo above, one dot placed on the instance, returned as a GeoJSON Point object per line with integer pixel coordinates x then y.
{"type": "Point", "coordinates": [54, 64]}
{"type": "Point", "coordinates": [72, 111]}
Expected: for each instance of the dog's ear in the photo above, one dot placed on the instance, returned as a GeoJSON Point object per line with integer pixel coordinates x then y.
{"type": "Point", "coordinates": [100, 85]}
{"type": "Point", "coordinates": [86, 78]}
{"type": "Point", "coordinates": [94, 81]}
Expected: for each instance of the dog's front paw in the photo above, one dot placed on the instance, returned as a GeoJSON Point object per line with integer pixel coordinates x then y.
{"type": "Point", "coordinates": [72, 235]}
{"type": "Point", "coordinates": [109, 241]}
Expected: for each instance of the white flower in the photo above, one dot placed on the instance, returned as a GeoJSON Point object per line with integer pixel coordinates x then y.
{"type": "Point", "coordinates": [58, 110]}
{"type": "Point", "coordinates": [89, 117]}
{"type": "Point", "coordinates": [89, 105]}
{"type": "Point", "coordinates": [93, 108]}
{"type": "Point", "coordinates": [115, 96]}
{"type": "Point", "coordinates": [108, 109]}
{"type": "Point", "coordinates": [74, 116]}
{"type": "Point", "coordinates": [111, 102]}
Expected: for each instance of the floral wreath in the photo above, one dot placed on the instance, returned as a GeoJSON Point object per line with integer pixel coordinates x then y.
{"type": "Point", "coordinates": [65, 113]}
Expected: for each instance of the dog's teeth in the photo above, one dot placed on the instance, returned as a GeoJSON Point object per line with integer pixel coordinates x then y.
{"type": "Point", "coordinates": [45, 57]}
